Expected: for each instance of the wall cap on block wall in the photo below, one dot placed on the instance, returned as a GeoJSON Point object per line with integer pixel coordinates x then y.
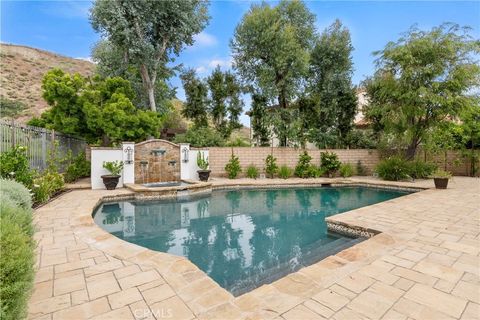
{"type": "Point", "coordinates": [157, 140]}
{"type": "Point", "coordinates": [105, 148]}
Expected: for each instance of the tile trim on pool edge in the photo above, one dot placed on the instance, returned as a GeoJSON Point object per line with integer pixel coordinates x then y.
{"type": "Point", "coordinates": [139, 196]}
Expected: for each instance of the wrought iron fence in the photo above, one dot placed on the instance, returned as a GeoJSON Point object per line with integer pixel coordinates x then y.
{"type": "Point", "coordinates": [40, 142]}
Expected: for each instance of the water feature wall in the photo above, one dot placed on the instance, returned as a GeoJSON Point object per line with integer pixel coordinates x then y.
{"type": "Point", "coordinates": [157, 161]}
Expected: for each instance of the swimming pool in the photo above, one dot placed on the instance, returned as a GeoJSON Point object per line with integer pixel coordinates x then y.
{"type": "Point", "coordinates": [242, 238]}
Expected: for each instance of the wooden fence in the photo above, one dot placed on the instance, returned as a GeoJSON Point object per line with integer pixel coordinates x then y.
{"type": "Point", "coordinates": [39, 142]}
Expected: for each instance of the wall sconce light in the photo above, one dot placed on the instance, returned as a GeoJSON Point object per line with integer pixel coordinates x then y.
{"type": "Point", "coordinates": [185, 152]}
{"type": "Point", "coordinates": [129, 152]}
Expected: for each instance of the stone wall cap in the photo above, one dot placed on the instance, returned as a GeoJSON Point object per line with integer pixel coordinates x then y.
{"type": "Point", "coordinates": [157, 140]}
{"type": "Point", "coordinates": [105, 148]}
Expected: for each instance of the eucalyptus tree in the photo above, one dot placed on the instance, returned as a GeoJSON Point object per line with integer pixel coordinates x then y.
{"type": "Point", "coordinates": [271, 48]}
{"type": "Point", "coordinates": [111, 62]}
{"type": "Point", "coordinates": [149, 33]}
{"type": "Point", "coordinates": [423, 79]}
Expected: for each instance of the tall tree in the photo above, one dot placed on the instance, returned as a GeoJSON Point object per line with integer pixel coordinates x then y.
{"type": "Point", "coordinates": [271, 50]}
{"type": "Point", "coordinates": [225, 105]}
{"type": "Point", "coordinates": [149, 33]}
{"type": "Point", "coordinates": [111, 62]}
{"type": "Point", "coordinates": [422, 80]}
{"type": "Point", "coordinates": [259, 117]}
{"type": "Point", "coordinates": [330, 86]}
{"type": "Point", "coordinates": [196, 92]}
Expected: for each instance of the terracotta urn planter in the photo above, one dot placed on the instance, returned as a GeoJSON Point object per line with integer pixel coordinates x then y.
{"type": "Point", "coordinates": [110, 181]}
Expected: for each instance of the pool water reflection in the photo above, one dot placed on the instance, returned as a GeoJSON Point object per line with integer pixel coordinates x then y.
{"type": "Point", "coordinates": [244, 238]}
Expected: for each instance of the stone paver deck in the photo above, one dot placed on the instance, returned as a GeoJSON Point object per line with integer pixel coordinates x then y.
{"type": "Point", "coordinates": [424, 265]}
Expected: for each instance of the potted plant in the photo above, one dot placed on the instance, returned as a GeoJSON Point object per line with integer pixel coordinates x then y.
{"type": "Point", "coordinates": [440, 178]}
{"type": "Point", "coordinates": [202, 163]}
{"type": "Point", "coordinates": [115, 168]}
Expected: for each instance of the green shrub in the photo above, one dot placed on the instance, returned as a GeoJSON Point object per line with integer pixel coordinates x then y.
{"type": "Point", "coordinates": [439, 173]}
{"type": "Point", "coordinates": [46, 185]}
{"type": "Point", "coordinates": [421, 170]}
{"type": "Point", "coordinates": [315, 172]}
{"type": "Point", "coordinates": [360, 169]}
{"type": "Point", "coordinates": [11, 108]}
{"type": "Point", "coordinates": [16, 192]}
{"type": "Point", "coordinates": [394, 168]}
{"type": "Point", "coordinates": [285, 172]}
{"type": "Point", "coordinates": [252, 172]}
{"type": "Point", "coordinates": [14, 165]}
{"type": "Point", "coordinates": [233, 167]}
{"type": "Point", "coordinates": [78, 167]}
{"type": "Point", "coordinates": [329, 163]}
{"type": "Point", "coordinates": [238, 142]}
{"type": "Point", "coordinates": [271, 167]}
{"type": "Point", "coordinates": [202, 161]}
{"type": "Point", "coordinates": [16, 258]}
{"type": "Point", "coordinates": [201, 137]}
{"type": "Point", "coordinates": [303, 167]}
{"type": "Point", "coordinates": [346, 170]}
{"type": "Point", "coordinates": [22, 217]}
{"type": "Point", "coordinates": [114, 167]}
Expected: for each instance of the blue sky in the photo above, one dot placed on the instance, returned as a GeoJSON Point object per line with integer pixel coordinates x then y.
{"type": "Point", "coordinates": [63, 27]}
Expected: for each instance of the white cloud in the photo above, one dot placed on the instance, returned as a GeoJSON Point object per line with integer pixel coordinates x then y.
{"type": "Point", "coordinates": [207, 66]}
{"type": "Point", "coordinates": [223, 63]}
{"type": "Point", "coordinates": [89, 59]}
{"type": "Point", "coordinates": [204, 39]}
{"type": "Point", "coordinates": [201, 69]}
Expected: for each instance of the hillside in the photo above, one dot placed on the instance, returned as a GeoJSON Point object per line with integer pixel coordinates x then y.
{"type": "Point", "coordinates": [21, 73]}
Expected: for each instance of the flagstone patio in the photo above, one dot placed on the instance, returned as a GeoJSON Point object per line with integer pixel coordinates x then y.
{"type": "Point", "coordinates": [424, 265]}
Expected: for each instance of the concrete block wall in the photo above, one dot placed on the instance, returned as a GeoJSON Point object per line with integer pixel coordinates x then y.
{"type": "Point", "coordinates": [455, 161]}
{"type": "Point", "coordinates": [219, 157]}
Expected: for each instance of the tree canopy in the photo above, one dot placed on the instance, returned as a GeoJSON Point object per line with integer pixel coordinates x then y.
{"type": "Point", "coordinates": [271, 48]}
{"type": "Point", "coordinates": [330, 86]}
{"type": "Point", "coordinates": [196, 92]}
{"type": "Point", "coordinates": [225, 103]}
{"type": "Point", "coordinates": [111, 62]}
{"type": "Point", "coordinates": [422, 80]}
{"type": "Point", "coordinates": [216, 99]}
{"type": "Point", "coordinates": [99, 110]}
{"type": "Point", "coordinates": [149, 33]}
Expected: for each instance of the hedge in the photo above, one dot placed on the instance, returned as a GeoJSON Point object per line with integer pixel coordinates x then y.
{"type": "Point", "coordinates": [16, 250]}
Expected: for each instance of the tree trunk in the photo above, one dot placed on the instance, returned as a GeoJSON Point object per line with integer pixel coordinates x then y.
{"type": "Point", "coordinates": [412, 149]}
{"type": "Point", "coordinates": [282, 102]}
{"type": "Point", "coordinates": [105, 141]}
{"type": "Point", "coordinates": [148, 85]}
{"type": "Point", "coordinates": [151, 98]}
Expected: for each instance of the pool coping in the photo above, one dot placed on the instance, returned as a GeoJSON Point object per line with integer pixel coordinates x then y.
{"type": "Point", "coordinates": [342, 228]}
{"type": "Point", "coordinates": [175, 269]}
{"type": "Point", "coordinates": [430, 221]}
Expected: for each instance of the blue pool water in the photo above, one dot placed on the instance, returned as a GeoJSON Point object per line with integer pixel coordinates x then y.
{"type": "Point", "coordinates": [243, 238]}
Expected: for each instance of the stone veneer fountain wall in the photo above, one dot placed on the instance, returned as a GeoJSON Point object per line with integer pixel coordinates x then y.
{"type": "Point", "coordinates": [157, 161]}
